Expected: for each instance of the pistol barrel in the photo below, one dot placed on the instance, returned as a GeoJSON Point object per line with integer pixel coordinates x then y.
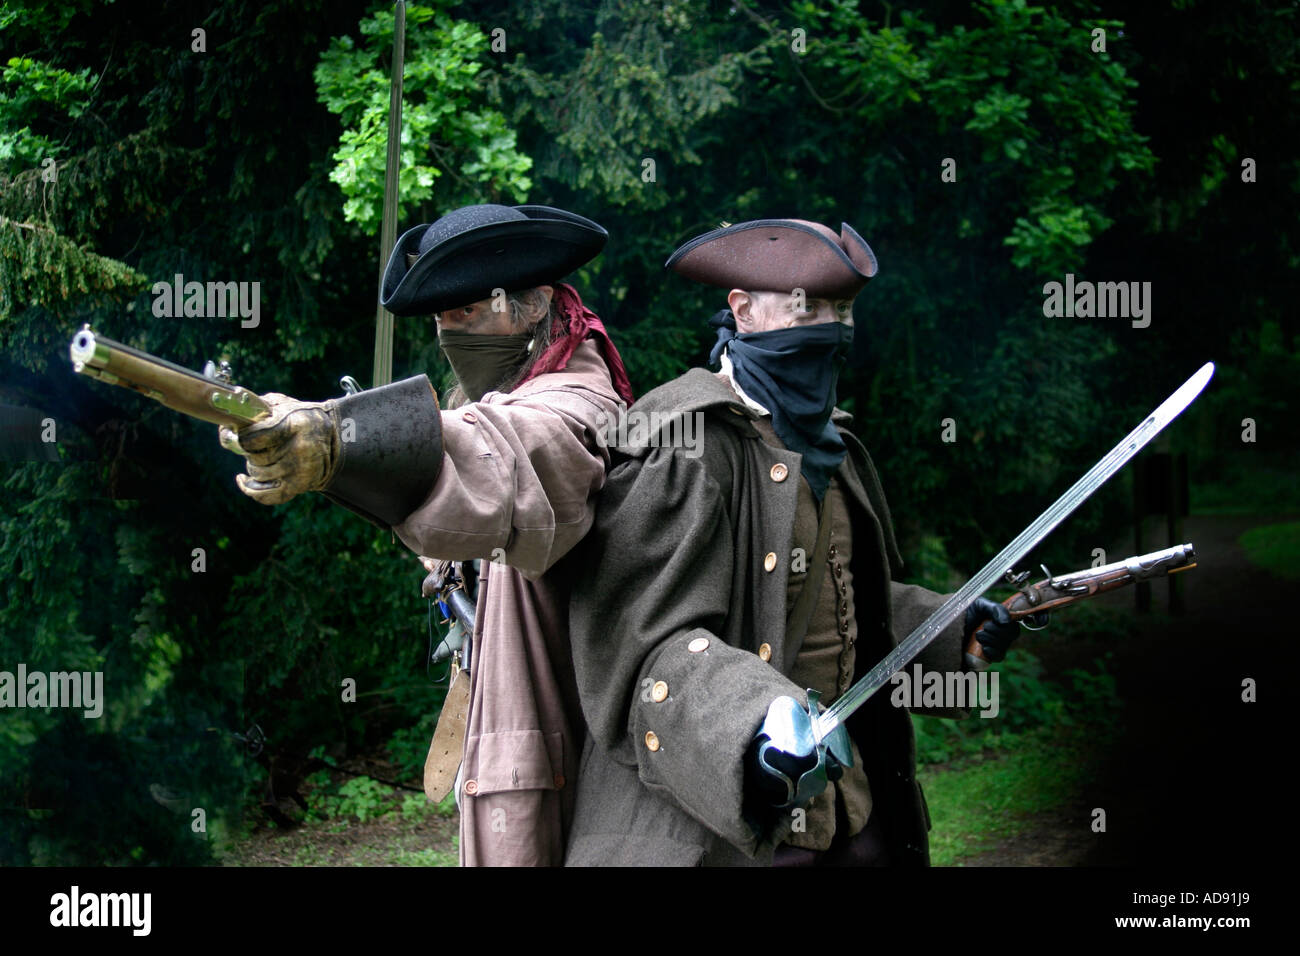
{"type": "Point", "coordinates": [173, 385]}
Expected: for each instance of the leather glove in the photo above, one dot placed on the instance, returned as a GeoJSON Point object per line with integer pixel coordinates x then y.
{"type": "Point", "coordinates": [992, 626]}
{"type": "Point", "coordinates": [293, 451]}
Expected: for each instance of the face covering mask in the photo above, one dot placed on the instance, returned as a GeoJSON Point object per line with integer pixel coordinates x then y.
{"type": "Point", "coordinates": [483, 362]}
{"type": "Point", "coordinates": [793, 373]}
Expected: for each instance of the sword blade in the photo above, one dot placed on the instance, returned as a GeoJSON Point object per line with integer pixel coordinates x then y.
{"type": "Point", "coordinates": [949, 611]}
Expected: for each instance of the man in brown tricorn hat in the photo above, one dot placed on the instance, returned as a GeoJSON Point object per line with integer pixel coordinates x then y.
{"type": "Point", "coordinates": [510, 475]}
{"type": "Point", "coordinates": [757, 568]}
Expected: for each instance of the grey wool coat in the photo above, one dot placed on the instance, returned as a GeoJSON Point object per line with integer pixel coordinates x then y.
{"type": "Point", "coordinates": [674, 589]}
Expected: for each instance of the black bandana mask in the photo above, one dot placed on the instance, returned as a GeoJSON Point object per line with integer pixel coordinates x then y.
{"type": "Point", "coordinates": [483, 362]}
{"type": "Point", "coordinates": [793, 373]}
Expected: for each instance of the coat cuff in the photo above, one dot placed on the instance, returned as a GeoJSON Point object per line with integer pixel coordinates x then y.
{"type": "Point", "coordinates": [390, 450]}
{"type": "Point", "coordinates": [690, 740]}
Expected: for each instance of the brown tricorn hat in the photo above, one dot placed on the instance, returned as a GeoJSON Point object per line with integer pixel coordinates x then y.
{"type": "Point", "coordinates": [778, 255]}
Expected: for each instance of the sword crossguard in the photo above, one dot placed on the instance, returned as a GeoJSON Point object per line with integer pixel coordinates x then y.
{"type": "Point", "coordinates": [795, 755]}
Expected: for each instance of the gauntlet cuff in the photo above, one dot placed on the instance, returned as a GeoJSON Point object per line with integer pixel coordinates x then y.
{"type": "Point", "coordinates": [389, 450]}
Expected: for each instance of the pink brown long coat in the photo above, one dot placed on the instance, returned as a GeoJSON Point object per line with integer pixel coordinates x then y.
{"type": "Point", "coordinates": [518, 487]}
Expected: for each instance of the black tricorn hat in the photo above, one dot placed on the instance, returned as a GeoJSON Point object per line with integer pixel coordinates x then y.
{"type": "Point", "coordinates": [473, 250]}
{"type": "Point", "coordinates": [779, 255]}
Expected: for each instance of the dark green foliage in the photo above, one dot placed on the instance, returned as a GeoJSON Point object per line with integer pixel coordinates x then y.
{"type": "Point", "coordinates": [36, 261]}
{"type": "Point", "coordinates": [179, 162]}
{"type": "Point", "coordinates": [1029, 702]}
{"type": "Point", "coordinates": [443, 118]}
{"type": "Point", "coordinates": [1275, 548]}
{"type": "Point", "coordinates": [334, 599]}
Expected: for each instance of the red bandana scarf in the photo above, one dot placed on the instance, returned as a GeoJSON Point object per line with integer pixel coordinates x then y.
{"type": "Point", "coordinates": [574, 323]}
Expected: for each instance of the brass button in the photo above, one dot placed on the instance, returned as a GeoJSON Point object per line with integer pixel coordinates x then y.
{"type": "Point", "coordinates": [843, 589]}
{"type": "Point", "coordinates": [559, 781]}
{"type": "Point", "coordinates": [471, 787]}
{"type": "Point", "coordinates": [765, 652]}
{"type": "Point", "coordinates": [779, 472]}
{"type": "Point", "coordinates": [769, 562]}
{"type": "Point", "coordinates": [659, 692]}
{"type": "Point", "coordinates": [469, 417]}
{"type": "Point", "coordinates": [839, 571]}
{"type": "Point", "coordinates": [832, 551]}
{"type": "Point", "coordinates": [844, 607]}
{"type": "Point", "coordinates": [697, 645]}
{"type": "Point", "coordinates": [844, 627]}
{"type": "Point", "coordinates": [651, 741]}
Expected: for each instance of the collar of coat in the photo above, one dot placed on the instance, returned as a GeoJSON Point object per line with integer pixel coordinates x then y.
{"type": "Point", "coordinates": [700, 390]}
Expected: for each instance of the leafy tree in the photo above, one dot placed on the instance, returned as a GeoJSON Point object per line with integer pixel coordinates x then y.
{"type": "Point", "coordinates": [443, 118]}
{"type": "Point", "coordinates": [827, 112]}
{"type": "Point", "coordinates": [170, 161]}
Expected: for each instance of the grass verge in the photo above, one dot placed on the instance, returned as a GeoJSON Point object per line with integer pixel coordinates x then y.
{"type": "Point", "coordinates": [1275, 548]}
{"type": "Point", "coordinates": [357, 822]}
{"type": "Point", "coordinates": [982, 801]}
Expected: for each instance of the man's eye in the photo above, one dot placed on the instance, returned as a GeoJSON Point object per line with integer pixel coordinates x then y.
{"type": "Point", "coordinates": [468, 310]}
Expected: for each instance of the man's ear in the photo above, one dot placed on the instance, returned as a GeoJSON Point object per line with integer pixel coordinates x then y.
{"type": "Point", "coordinates": [741, 304]}
{"type": "Point", "coordinates": [547, 293]}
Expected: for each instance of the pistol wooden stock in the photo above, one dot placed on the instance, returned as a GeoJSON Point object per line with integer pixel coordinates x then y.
{"type": "Point", "coordinates": [1055, 592]}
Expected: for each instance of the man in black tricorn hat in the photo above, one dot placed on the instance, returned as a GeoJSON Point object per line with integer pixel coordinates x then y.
{"type": "Point", "coordinates": [509, 475]}
{"type": "Point", "coordinates": [751, 567]}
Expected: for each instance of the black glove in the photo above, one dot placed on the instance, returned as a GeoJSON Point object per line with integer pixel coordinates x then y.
{"type": "Point", "coordinates": [996, 629]}
{"type": "Point", "coordinates": [771, 791]}
{"type": "Point", "coordinates": [767, 797]}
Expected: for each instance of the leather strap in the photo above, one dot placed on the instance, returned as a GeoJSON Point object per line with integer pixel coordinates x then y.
{"type": "Point", "coordinates": [448, 744]}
